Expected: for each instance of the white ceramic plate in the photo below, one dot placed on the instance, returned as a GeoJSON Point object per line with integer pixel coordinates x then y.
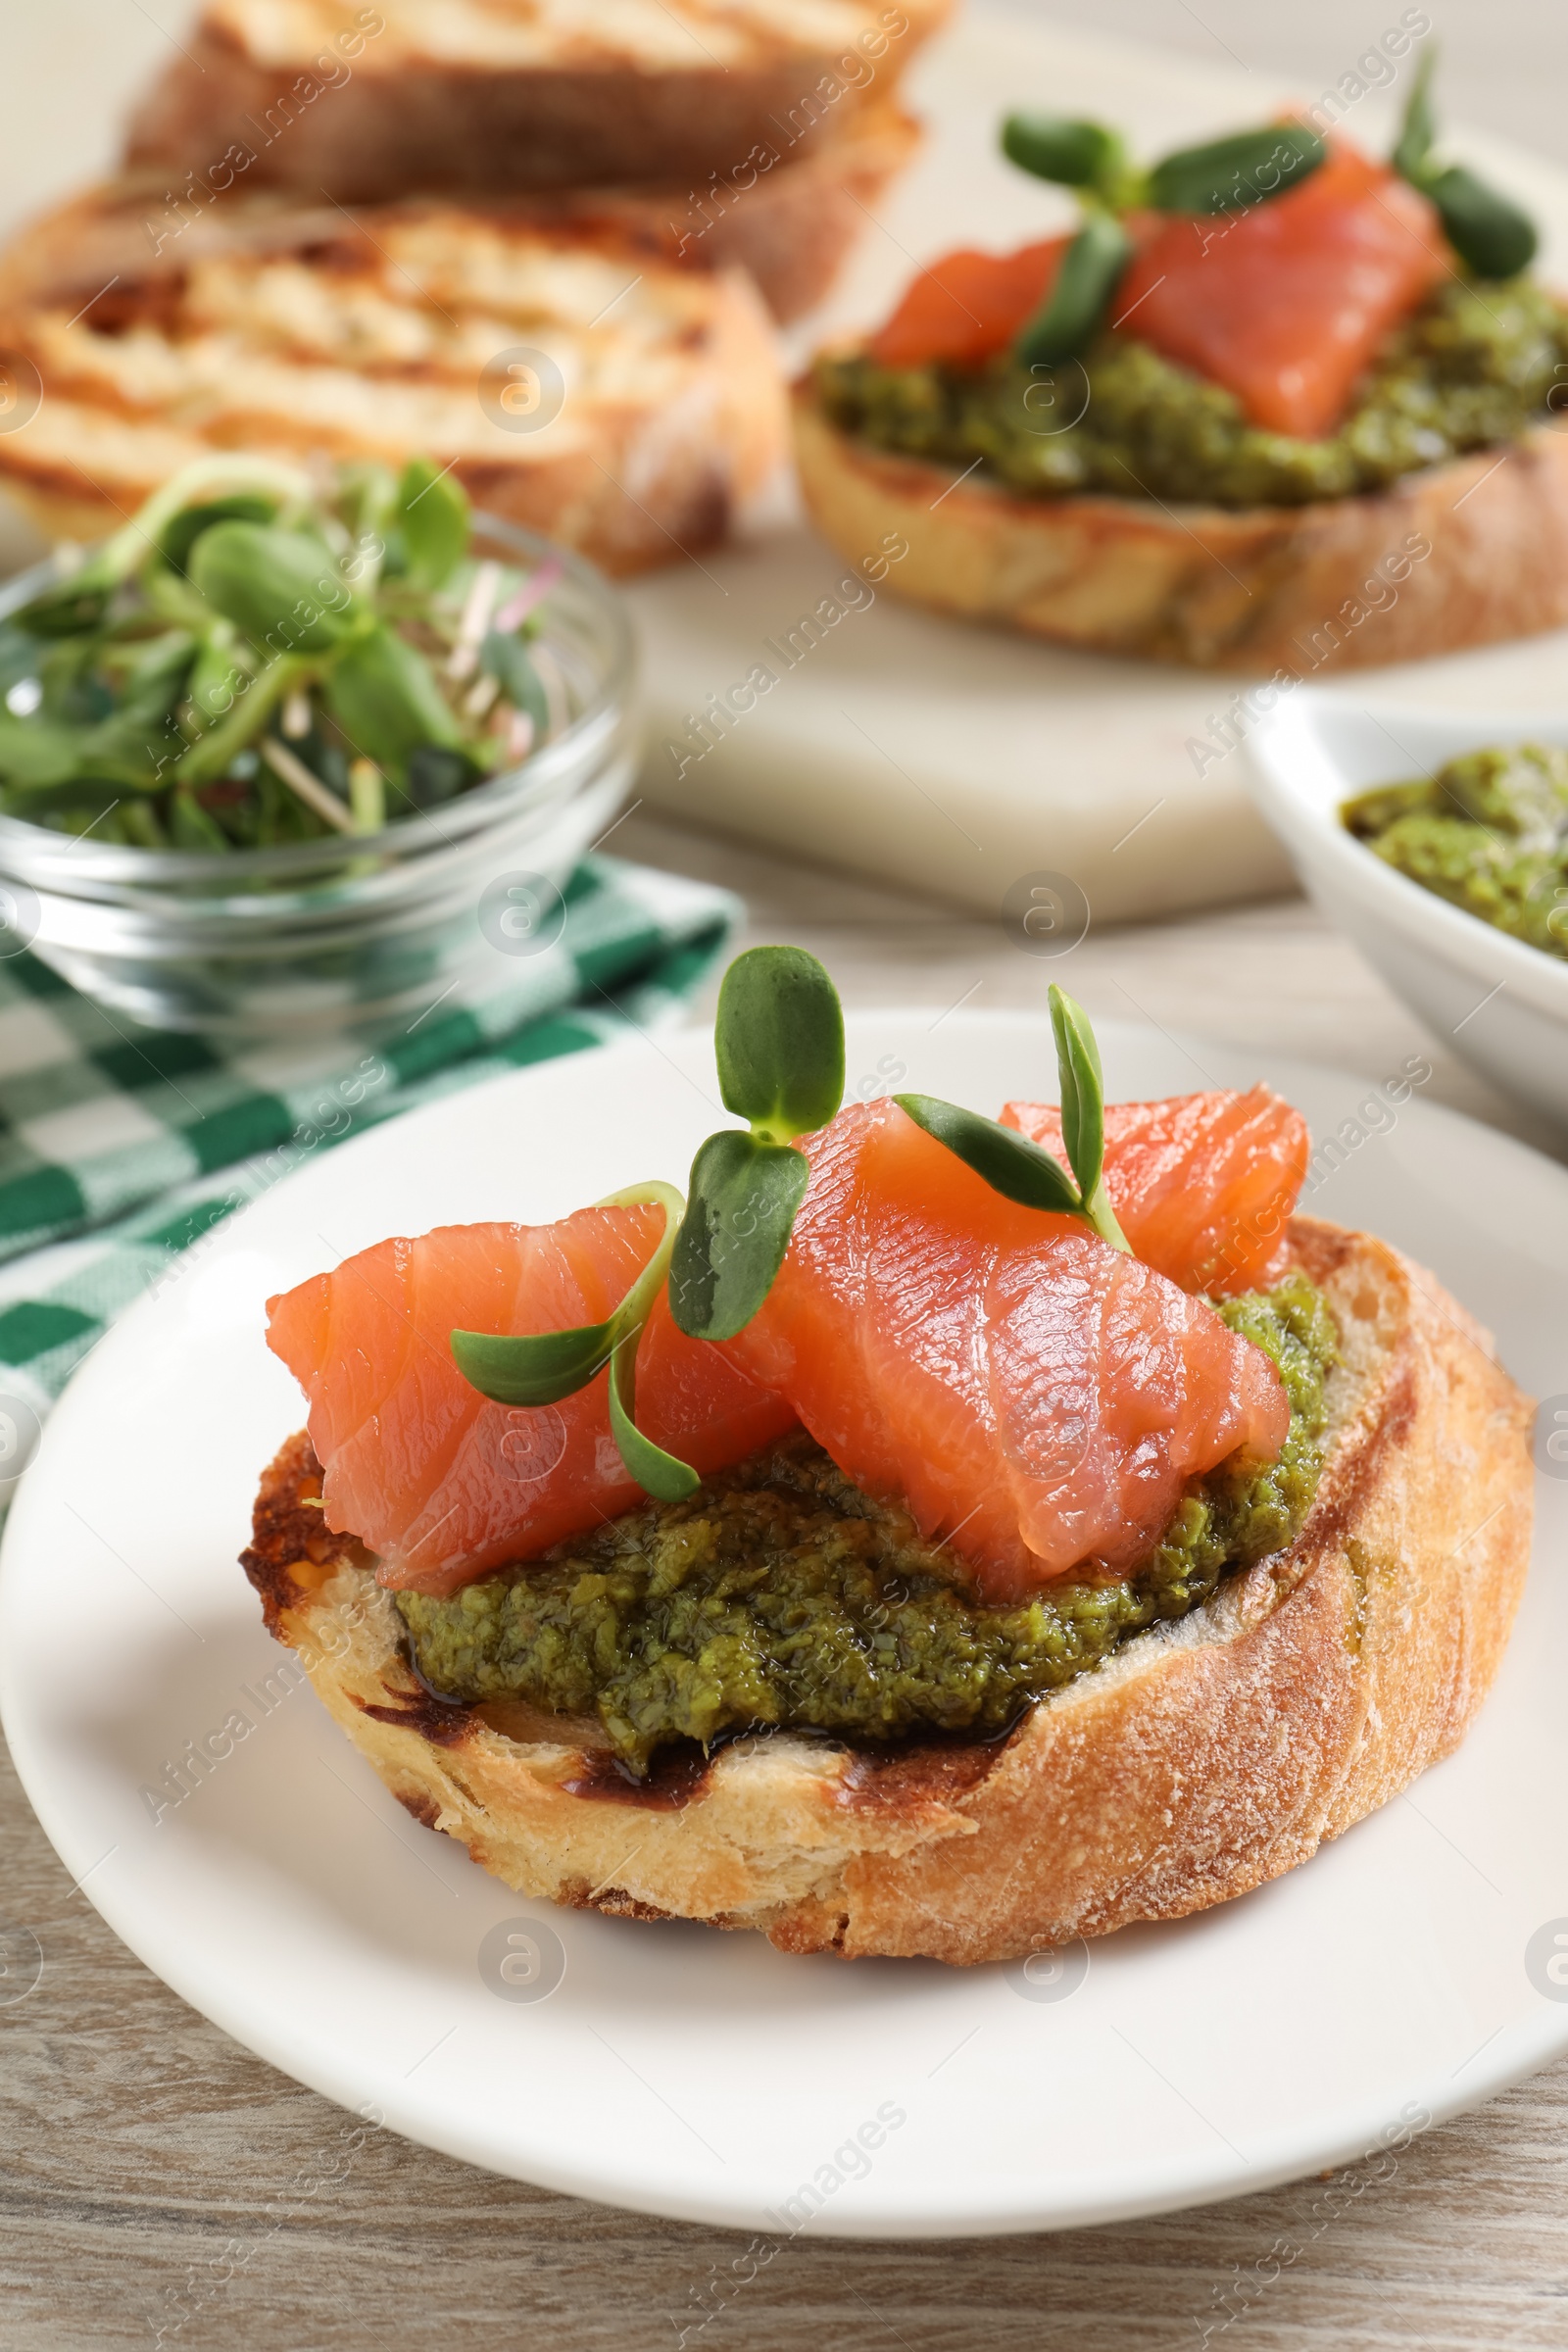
{"type": "Point", "coordinates": [674, 2068]}
{"type": "Point", "coordinates": [1501, 1003]}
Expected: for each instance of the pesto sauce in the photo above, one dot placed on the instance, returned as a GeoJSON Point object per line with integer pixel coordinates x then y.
{"type": "Point", "coordinates": [780, 1595]}
{"type": "Point", "coordinates": [1471, 368]}
{"type": "Point", "coordinates": [1489, 832]}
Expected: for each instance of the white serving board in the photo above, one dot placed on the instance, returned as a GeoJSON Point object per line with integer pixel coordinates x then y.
{"type": "Point", "coordinates": [925, 752]}
{"type": "Point", "coordinates": [956, 759]}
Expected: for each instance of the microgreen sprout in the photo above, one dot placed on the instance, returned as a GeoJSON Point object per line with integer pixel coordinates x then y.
{"type": "Point", "coordinates": [543, 1367]}
{"type": "Point", "coordinates": [1491, 236]}
{"type": "Point", "coordinates": [259, 659]}
{"type": "Point", "coordinates": [1024, 1171]}
{"type": "Point", "coordinates": [779, 1045]}
{"type": "Point", "coordinates": [1226, 175]}
{"type": "Point", "coordinates": [778, 1042]}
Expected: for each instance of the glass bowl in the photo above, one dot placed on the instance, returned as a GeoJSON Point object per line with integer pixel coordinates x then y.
{"type": "Point", "coordinates": [346, 932]}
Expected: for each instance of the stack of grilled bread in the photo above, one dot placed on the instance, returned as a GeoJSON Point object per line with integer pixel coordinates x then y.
{"type": "Point", "coordinates": [621, 407]}
{"type": "Point", "coordinates": [538, 244]}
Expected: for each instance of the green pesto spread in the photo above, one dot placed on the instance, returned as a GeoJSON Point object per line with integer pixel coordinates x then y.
{"type": "Point", "coordinates": [1488, 833]}
{"type": "Point", "coordinates": [780, 1595]}
{"type": "Point", "coordinates": [1472, 369]}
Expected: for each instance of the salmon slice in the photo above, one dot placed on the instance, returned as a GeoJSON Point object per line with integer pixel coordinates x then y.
{"type": "Point", "coordinates": [439, 1482]}
{"type": "Point", "coordinates": [1035, 1397]}
{"type": "Point", "coordinates": [1284, 305]}
{"type": "Point", "coordinates": [968, 306]}
{"type": "Point", "coordinates": [1287, 304]}
{"type": "Point", "coordinates": [1203, 1185]}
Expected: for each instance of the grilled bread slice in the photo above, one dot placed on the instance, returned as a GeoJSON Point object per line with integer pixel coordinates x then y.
{"type": "Point", "coordinates": [573, 383]}
{"type": "Point", "coordinates": [1422, 567]}
{"type": "Point", "coordinates": [491, 96]}
{"type": "Point", "coordinates": [1202, 1758]}
{"type": "Point", "coordinates": [789, 222]}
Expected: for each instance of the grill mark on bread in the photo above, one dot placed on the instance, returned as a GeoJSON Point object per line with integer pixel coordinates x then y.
{"type": "Point", "coordinates": [373, 346]}
{"type": "Point", "coordinates": [538, 37]}
{"type": "Point", "coordinates": [927, 1772]}
{"type": "Point", "coordinates": [445, 1724]}
{"type": "Point", "coordinates": [292, 1551]}
{"type": "Point", "coordinates": [558, 104]}
{"type": "Point", "coordinates": [424, 1807]}
{"type": "Point", "coordinates": [676, 1779]}
{"type": "Point", "coordinates": [792, 232]}
{"type": "Point", "coordinates": [154, 303]}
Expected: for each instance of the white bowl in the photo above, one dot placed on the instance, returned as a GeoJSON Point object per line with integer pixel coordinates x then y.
{"type": "Point", "coordinates": [1501, 1005]}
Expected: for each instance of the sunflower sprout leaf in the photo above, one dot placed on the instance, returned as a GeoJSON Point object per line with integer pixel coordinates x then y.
{"type": "Point", "coordinates": [1013, 1166]}
{"type": "Point", "coordinates": [741, 1201]}
{"type": "Point", "coordinates": [779, 1043]}
{"type": "Point", "coordinates": [537, 1369]}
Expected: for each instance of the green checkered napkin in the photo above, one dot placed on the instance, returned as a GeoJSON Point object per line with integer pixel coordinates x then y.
{"type": "Point", "coordinates": [121, 1146]}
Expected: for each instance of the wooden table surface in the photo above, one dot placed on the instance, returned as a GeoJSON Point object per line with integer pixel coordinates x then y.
{"type": "Point", "coordinates": [151, 2174]}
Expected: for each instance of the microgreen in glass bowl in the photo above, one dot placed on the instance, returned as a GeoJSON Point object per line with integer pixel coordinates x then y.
{"type": "Point", "coordinates": [262, 751]}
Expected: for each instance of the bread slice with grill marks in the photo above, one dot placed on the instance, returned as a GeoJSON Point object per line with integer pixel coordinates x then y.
{"type": "Point", "coordinates": [331, 338]}
{"type": "Point", "coordinates": [788, 218]}
{"type": "Point", "coordinates": [481, 97]}
{"type": "Point", "coordinates": [1202, 1758]}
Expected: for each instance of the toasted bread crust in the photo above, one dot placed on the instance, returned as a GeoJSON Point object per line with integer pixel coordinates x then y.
{"type": "Point", "coordinates": [1336, 584]}
{"type": "Point", "coordinates": [542, 106]}
{"type": "Point", "coordinates": [789, 224]}
{"type": "Point", "coordinates": [1202, 1759]}
{"type": "Point", "coordinates": [793, 224]}
{"type": "Point", "coordinates": [327, 337]}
